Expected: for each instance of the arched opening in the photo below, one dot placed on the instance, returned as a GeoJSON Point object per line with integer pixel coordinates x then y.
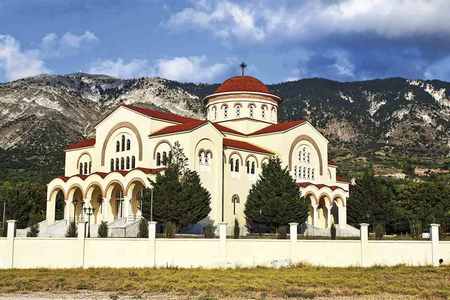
{"type": "Point", "coordinates": [136, 190]}
{"type": "Point", "coordinates": [95, 196]}
{"type": "Point", "coordinates": [334, 213]}
{"type": "Point", "coordinates": [77, 204]}
{"type": "Point", "coordinates": [60, 205]}
{"type": "Point", "coordinates": [116, 204]}
{"type": "Point", "coordinates": [311, 201]}
{"type": "Point", "coordinates": [322, 213]}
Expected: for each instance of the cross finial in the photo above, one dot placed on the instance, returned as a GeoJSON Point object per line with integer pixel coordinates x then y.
{"type": "Point", "coordinates": [243, 65]}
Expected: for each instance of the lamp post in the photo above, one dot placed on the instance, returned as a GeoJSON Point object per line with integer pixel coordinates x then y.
{"type": "Point", "coordinates": [89, 211]}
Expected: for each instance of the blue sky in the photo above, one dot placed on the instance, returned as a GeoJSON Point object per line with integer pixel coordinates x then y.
{"type": "Point", "coordinates": [204, 41]}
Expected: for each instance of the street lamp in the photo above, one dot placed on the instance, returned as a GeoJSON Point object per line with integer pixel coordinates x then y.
{"type": "Point", "coordinates": [89, 211]}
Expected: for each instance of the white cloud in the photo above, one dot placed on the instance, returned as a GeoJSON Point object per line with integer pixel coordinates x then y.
{"type": "Point", "coordinates": [186, 69]}
{"type": "Point", "coordinates": [67, 44]}
{"type": "Point", "coordinates": [122, 69]}
{"type": "Point", "coordinates": [260, 21]}
{"type": "Point", "coordinates": [17, 63]}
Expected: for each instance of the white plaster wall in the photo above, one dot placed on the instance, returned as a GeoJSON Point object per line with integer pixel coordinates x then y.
{"type": "Point", "coordinates": [444, 251]}
{"type": "Point", "coordinates": [390, 253]}
{"type": "Point", "coordinates": [47, 253]}
{"type": "Point", "coordinates": [118, 253]}
{"type": "Point", "coordinates": [188, 253]}
{"type": "Point", "coordinates": [3, 253]}
{"type": "Point", "coordinates": [258, 252]}
{"type": "Point", "coordinates": [327, 253]}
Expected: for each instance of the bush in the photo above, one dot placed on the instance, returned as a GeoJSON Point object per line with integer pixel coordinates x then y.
{"type": "Point", "coordinates": [379, 231]}
{"type": "Point", "coordinates": [103, 230]}
{"type": "Point", "coordinates": [236, 229]}
{"type": "Point", "coordinates": [3, 231]}
{"type": "Point", "coordinates": [72, 230]}
{"type": "Point", "coordinates": [209, 231]}
{"type": "Point", "coordinates": [282, 232]}
{"type": "Point", "coordinates": [169, 230]}
{"type": "Point", "coordinates": [143, 228]}
{"type": "Point", "coordinates": [333, 232]}
{"type": "Point", "coordinates": [34, 231]}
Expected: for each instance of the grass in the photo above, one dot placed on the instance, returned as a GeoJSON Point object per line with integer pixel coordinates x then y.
{"type": "Point", "coordinates": [259, 283]}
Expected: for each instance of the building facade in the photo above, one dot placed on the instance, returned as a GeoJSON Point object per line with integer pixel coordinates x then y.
{"type": "Point", "coordinates": [227, 149]}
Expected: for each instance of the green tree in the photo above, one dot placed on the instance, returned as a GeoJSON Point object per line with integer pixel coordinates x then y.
{"type": "Point", "coordinates": [72, 230]}
{"type": "Point", "coordinates": [143, 229]}
{"type": "Point", "coordinates": [103, 230]}
{"type": "Point", "coordinates": [34, 231]}
{"type": "Point", "coordinates": [372, 200]}
{"type": "Point", "coordinates": [274, 200]}
{"type": "Point", "coordinates": [179, 197]}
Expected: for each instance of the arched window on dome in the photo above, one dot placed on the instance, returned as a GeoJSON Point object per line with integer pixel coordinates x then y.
{"type": "Point", "coordinates": [133, 162]}
{"type": "Point", "coordinates": [117, 164]}
{"type": "Point", "coordinates": [128, 163]}
{"type": "Point", "coordinates": [237, 108]}
{"type": "Point", "coordinates": [214, 112]}
{"type": "Point", "coordinates": [123, 142]}
{"type": "Point", "coordinates": [263, 111]}
{"type": "Point", "coordinates": [251, 110]}
{"type": "Point", "coordinates": [128, 144]}
{"type": "Point", "coordinates": [158, 159]}
{"type": "Point", "coordinates": [274, 113]}
{"type": "Point", "coordinates": [111, 166]}
{"type": "Point", "coordinates": [117, 146]}
{"type": "Point", "coordinates": [225, 111]}
{"type": "Point", "coordinates": [122, 163]}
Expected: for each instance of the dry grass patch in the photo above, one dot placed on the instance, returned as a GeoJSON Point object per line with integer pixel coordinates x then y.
{"type": "Point", "coordinates": [295, 282]}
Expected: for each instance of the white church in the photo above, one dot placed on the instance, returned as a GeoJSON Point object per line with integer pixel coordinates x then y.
{"type": "Point", "coordinates": [227, 149]}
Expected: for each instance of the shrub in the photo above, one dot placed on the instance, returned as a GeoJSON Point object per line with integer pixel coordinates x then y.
{"type": "Point", "coordinates": [34, 231]}
{"type": "Point", "coordinates": [143, 228]}
{"type": "Point", "coordinates": [333, 232]}
{"type": "Point", "coordinates": [103, 230]}
{"type": "Point", "coordinates": [236, 229]}
{"type": "Point", "coordinates": [72, 230]}
{"type": "Point", "coordinates": [209, 231]}
{"type": "Point", "coordinates": [282, 232]}
{"type": "Point", "coordinates": [3, 231]}
{"type": "Point", "coordinates": [379, 231]}
{"type": "Point", "coordinates": [169, 230]}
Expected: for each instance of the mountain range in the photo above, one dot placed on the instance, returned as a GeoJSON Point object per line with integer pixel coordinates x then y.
{"type": "Point", "coordinates": [393, 123]}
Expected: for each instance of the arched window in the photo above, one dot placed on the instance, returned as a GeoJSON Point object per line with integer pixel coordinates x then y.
{"type": "Point", "coordinates": [251, 110]}
{"type": "Point", "coordinates": [252, 170]}
{"type": "Point", "coordinates": [235, 200]}
{"type": "Point", "coordinates": [90, 167]}
{"type": "Point", "coordinates": [158, 159]}
{"type": "Point", "coordinates": [128, 144]}
{"type": "Point", "coordinates": [225, 111]}
{"type": "Point", "coordinates": [164, 158]}
{"type": "Point", "coordinates": [128, 163]}
{"type": "Point", "coordinates": [231, 165]}
{"type": "Point", "coordinates": [85, 168]}
{"type": "Point", "coordinates": [122, 163]}
{"type": "Point", "coordinates": [117, 146]}
{"type": "Point", "coordinates": [133, 162]}
{"type": "Point", "coordinates": [111, 166]}
{"type": "Point", "coordinates": [117, 164]}
{"type": "Point", "coordinates": [208, 157]}
{"type": "Point", "coordinates": [263, 111]}
{"type": "Point", "coordinates": [238, 110]}
{"type": "Point", "coordinates": [123, 142]}
{"type": "Point", "coordinates": [247, 165]}
{"type": "Point", "coordinates": [306, 170]}
{"type": "Point", "coordinates": [81, 168]}
{"type": "Point", "coordinates": [236, 166]}
{"type": "Point", "coordinates": [201, 157]}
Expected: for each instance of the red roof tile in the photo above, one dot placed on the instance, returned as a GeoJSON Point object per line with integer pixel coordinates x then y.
{"type": "Point", "coordinates": [278, 127]}
{"type": "Point", "coordinates": [159, 114]}
{"type": "Point", "coordinates": [180, 127]}
{"type": "Point", "coordinates": [222, 128]}
{"type": "Point", "coordinates": [242, 84]}
{"type": "Point", "coordinates": [244, 146]}
{"type": "Point", "coordinates": [341, 179]}
{"type": "Point", "coordinates": [332, 187]}
{"type": "Point", "coordinates": [81, 144]}
{"type": "Point", "coordinates": [122, 172]}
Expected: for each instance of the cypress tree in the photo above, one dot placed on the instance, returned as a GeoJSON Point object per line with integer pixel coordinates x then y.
{"type": "Point", "coordinates": [274, 200]}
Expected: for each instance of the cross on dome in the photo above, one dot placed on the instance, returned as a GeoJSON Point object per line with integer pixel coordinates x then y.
{"type": "Point", "coordinates": [243, 66]}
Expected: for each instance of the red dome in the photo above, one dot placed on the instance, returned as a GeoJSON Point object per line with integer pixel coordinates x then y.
{"type": "Point", "coordinates": [242, 84]}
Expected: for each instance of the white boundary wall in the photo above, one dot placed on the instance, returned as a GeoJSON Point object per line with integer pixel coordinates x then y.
{"type": "Point", "coordinates": [211, 253]}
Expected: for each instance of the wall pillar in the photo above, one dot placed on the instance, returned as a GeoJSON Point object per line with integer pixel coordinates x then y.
{"type": "Point", "coordinates": [434, 230]}
{"type": "Point", "coordinates": [11, 233]}
{"type": "Point", "coordinates": [223, 243]}
{"type": "Point", "coordinates": [152, 239]}
{"type": "Point", "coordinates": [293, 237]}
{"type": "Point", "coordinates": [81, 229]}
{"type": "Point", "coordinates": [364, 231]}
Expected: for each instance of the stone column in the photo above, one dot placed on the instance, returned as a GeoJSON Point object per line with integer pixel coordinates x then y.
{"type": "Point", "coordinates": [11, 233]}
{"type": "Point", "coordinates": [315, 215]}
{"type": "Point", "coordinates": [364, 231]}
{"type": "Point", "coordinates": [328, 224]}
{"type": "Point", "coordinates": [434, 230]}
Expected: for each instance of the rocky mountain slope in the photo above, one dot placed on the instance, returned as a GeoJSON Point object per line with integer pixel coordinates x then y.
{"type": "Point", "coordinates": [387, 121]}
